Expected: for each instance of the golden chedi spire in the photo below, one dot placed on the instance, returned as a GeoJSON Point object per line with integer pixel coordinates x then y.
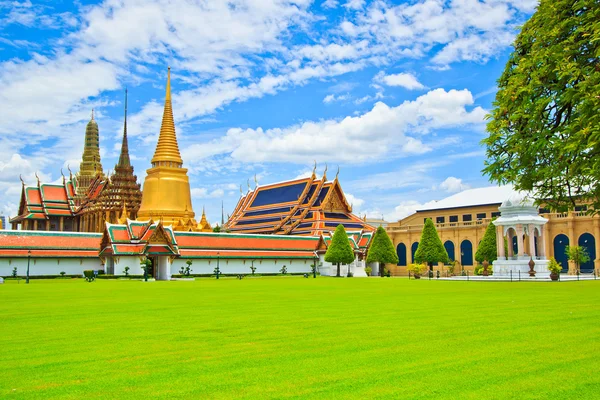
{"type": "Point", "coordinates": [166, 195]}
{"type": "Point", "coordinates": [167, 149]}
{"type": "Point", "coordinates": [204, 225]}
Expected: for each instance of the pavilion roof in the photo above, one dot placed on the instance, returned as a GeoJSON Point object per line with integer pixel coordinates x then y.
{"type": "Point", "coordinates": [46, 200]}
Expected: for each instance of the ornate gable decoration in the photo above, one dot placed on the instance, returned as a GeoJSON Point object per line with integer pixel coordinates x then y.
{"type": "Point", "coordinates": [335, 200]}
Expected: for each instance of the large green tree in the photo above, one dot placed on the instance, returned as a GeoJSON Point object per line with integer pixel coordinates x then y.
{"type": "Point", "coordinates": [430, 250]}
{"type": "Point", "coordinates": [544, 128]}
{"type": "Point", "coordinates": [339, 250]}
{"type": "Point", "coordinates": [487, 249]}
{"type": "Point", "coordinates": [382, 249]}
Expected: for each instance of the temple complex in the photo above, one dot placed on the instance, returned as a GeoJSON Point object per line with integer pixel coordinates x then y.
{"type": "Point", "coordinates": [85, 202]}
{"type": "Point", "coordinates": [166, 196]}
{"type": "Point", "coordinates": [307, 206]}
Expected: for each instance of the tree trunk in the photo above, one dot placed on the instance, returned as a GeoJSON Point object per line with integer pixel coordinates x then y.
{"type": "Point", "coordinates": [338, 269]}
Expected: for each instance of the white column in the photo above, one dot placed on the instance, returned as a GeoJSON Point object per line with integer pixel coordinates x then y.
{"type": "Point", "coordinates": [532, 240]}
{"type": "Point", "coordinates": [542, 241]}
{"type": "Point", "coordinates": [500, 242]}
{"type": "Point", "coordinates": [511, 250]}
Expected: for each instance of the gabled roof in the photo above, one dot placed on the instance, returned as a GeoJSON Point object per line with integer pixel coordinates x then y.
{"type": "Point", "coordinates": [307, 206]}
{"type": "Point", "coordinates": [155, 239]}
{"type": "Point", "coordinates": [48, 244]}
{"type": "Point", "coordinates": [46, 200]}
{"type": "Point", "coordinates": [139, 238]}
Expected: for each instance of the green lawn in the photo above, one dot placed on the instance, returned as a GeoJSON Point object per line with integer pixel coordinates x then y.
{"type": "Point", "coordinates": [299, 338]}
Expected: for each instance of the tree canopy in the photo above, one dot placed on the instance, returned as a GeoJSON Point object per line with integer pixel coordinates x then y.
{"type": "Point", "coordinates": [382, 249]}
{"type": "Point", "coordinates": [544, 128]}
{"type": "Point", "coordinates": [488, 249]}
{"type": "Point", "coordinates": [430, 250]}
{"type": "Point", "coordinates": [339, 250]}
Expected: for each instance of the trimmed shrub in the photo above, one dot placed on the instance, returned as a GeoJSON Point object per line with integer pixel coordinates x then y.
{"type": "Point", "coordinates": [431, 249]}
{"type": "Point", "coordinates": [339, 250]}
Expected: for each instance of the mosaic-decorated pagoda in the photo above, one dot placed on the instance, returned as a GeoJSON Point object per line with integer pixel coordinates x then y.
{"type": "Point", "coordinates": [106, 200]}
{"type": "Point", "coordinates": [308, 206]}
{"type": "Point", "coordinates": [90, 167]}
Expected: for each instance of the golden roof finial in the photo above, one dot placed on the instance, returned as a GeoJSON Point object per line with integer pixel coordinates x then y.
{"type": "Point", "coordinates": [315, 167]}
{"type": "Point", "coordinates": [337, 173]}
{"type": "Point", "coordinates": [325, 173]}
{"type": "Point", "coordinates": [38, 178]}
{"type": "Point", "coordinates": [255, 181]}
{"type": "Point", "coordinates": [21, 178]}
{"type": "Point", "coordinates": [123, 218]}
{"type": "Point", "coordinates": [249, 189]}
{"type": "Point", "coordinates": [92, 114]}
{"type": "Point", "coordinates": [167, 148]}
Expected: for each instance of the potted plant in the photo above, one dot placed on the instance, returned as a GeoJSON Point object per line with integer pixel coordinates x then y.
{"type": "Point", "coordinates": [416, 269]}
{"type": "Point", "coordinates": [451, 267]}
{"type": "Point", "coordinates": [554, 267]}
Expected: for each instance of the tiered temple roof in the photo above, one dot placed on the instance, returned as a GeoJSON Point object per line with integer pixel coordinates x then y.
{"type": "Point", "coordinates": [44, 201]}
{"type": "Point", "coordinates": [152, 238]}
{"type": "Point", "coordinates": [307, 206]}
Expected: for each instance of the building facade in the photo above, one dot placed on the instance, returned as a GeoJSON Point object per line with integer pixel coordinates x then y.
{"type": "Point", "coordinates": [461, 221]}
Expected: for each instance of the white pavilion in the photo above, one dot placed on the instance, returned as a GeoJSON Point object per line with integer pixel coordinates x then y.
{"type": "Point", "coordinates": [519, 218]}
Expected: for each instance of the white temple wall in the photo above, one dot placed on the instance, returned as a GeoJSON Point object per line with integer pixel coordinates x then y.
{"type": "Point", "coordinates": [241, 266]}
{"type": "Point", "coordinates": [133, 262]}
{"type": "Point", "coordinates": [48, 266]}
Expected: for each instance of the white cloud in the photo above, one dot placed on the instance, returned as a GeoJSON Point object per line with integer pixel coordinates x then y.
{"type": "Point", "coordinates": [354, 4]}
{"type": "Point", "coordinates": [453, 185]}
{"type": "Point", "coordinates": [330, 98]}
{"type": "Point", "coordinates": [405, 80]}
{"type": "Point", "coordinates": [330, 4]}
{"type": "Point", "coordinates": [362, 138]}
{"type": "Point", "coordinates": [355, 202]}
{"type": "Point", "coordinates": [204, 193]}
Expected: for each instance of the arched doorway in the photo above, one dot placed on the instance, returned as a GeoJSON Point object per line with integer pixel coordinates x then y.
{"type": "Point", "coordinates": [560, 244]}
{"type": "Point", "coordinates": [401, 251]}
{"type": "Point", "coordinates": [588, 242]}
{"type": "Point", "coordinates": [449, 246]}
{"type": "Point", "coordinates": [466, 253]}
{"type": "Point", "coordinates": [413, 250]}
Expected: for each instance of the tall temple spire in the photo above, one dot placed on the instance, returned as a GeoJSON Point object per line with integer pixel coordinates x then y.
{"type": "Point", "coordinates": [167, 194]}
{"type": "Point", "coordinates": [167, 150]}
{"type": "Point", "coordinates": [90, 165]}
{"type": "Point", "coordinates": [124, 157]}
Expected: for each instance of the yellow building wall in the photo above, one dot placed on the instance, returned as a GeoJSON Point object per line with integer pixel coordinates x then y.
{"type": "Point", "coordinates": [408, 231]}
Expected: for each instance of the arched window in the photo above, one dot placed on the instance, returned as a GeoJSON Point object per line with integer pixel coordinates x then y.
{"type": "Point", "coordinates": [413, 250]}
{"type": "Point", "coordinates": [466, 253]}
{"type": "Point", "coordinates": [449, 246]}
{"type": "Point", "coordinates": [401, 251]}
{"type": "Point", "coordinates": [588, 242]}
{"type": "Point", "coordinates": [560, 244]}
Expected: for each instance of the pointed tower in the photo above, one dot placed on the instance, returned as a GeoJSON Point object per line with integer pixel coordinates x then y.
{"type": "Point", "coordinates": [90, 166]}
{"type": "Point", "coordinates": [121, 196]}
{"type": "Point", "coordinates": [204, 225]}
{"type": "Point", "coordinates": [166, 194]}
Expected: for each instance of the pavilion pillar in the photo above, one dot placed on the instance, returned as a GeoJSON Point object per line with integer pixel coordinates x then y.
{"type": "Point", "coordinates": [511, 250]}
{"type": "Point", "coordinates": [520, 242]}
{"type": "Point", "coordinates": [532, 241]}
{"type": "Point", "coordinates": [61, 226]}
{"type": "Point", "coordinates": [542, 241]}
{"type": "Point", "coordinates": [500, 242]}
{"type": "Point", "coordinates": [47, 224]}
{"type": "Point", "coordinates": [35, 225]}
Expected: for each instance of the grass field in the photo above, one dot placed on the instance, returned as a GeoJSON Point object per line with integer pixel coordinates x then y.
{"type": "Point", "coordinates": [299, 338]}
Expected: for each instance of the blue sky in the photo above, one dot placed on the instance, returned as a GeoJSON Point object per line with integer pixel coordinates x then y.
{"type": "Point", "coordinates": [394, 93]}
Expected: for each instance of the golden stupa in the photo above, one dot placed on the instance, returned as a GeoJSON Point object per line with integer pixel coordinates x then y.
{"type": "Point", "coordinates": [166, 194]}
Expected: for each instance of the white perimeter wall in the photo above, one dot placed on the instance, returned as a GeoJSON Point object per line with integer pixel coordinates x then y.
{"type": "Point", "coordinates": [235, 266]}
{"type": "Point", "coordinates": [48, 266]}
